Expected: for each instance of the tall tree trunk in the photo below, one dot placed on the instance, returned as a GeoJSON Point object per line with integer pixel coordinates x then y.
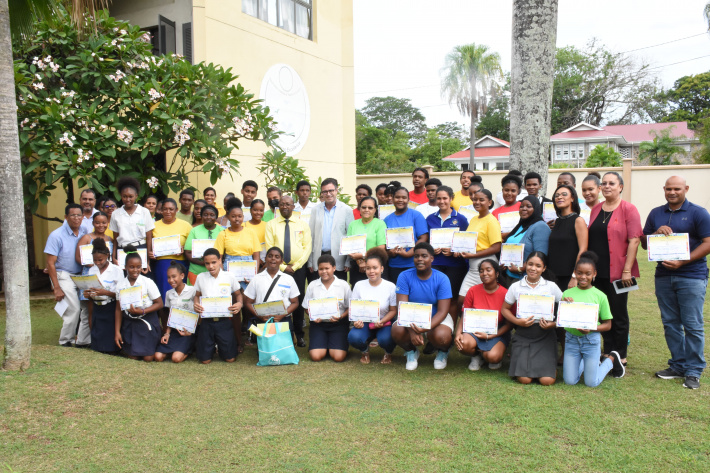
{"type": "Point", "coordinates": [534, 38]}
{"type": "Point", "coordinates": [472, 141]}
{"type": "Point", "coordinates": [18, 337]}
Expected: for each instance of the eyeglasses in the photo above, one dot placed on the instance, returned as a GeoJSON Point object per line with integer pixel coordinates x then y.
{"type": "Point", "coordinates": [75, 216]}
{"type": "Point", "coordinates": [367, 208]}
{"type": "Point", "coordinates": [331, 191]}
{"type": "Point", "coordinates": [109, 207]}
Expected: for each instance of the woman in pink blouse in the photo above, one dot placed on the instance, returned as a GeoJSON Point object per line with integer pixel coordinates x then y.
{"type": "Point", "coordinates": [614, 234]}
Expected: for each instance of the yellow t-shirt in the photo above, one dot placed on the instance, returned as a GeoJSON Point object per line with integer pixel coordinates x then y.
{"type": "Point", "coordinates": [178, 227]}
{"type": "Point", "coordinates": [459, 200]}
{"type": "Point", "coordinates": [242, 243]}
{"type": "Point", "coordinates": [488, 230]}
{"type": "Point", "coordinates": [108, 233]}
{"type": "Point", "coordinates": [220, 210]}
{"type": "Point", "coordinates": [260, 230]}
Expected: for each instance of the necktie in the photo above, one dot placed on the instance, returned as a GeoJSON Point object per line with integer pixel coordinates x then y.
{"type": "Point", "coordinates": [287, 244]}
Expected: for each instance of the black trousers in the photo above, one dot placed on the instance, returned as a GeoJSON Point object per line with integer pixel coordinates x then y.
{"type": "Point", "coordinates": [300, 277]}
{"type": "Point", "coordinates": [616, 339]}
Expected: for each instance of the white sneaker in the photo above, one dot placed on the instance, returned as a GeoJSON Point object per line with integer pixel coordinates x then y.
{"type": "Point", "coordinates": [476, 363]}
{"type": "Point", "coordinates": [495, 366]}
{"type": "Point", "coordinates": [442, 358]}
{"type": "Point", "coordinates": [412, 357]}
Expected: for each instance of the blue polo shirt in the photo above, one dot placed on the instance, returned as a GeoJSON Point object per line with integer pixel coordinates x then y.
{"type": "Point", "coordinates": [691, 219]}
{"type": "Point", "coordinates": [328, 216]}
{"type": "Point", "coordinates": [455, 219]}
{"type": "Point", "coordinates": [62, 244]}
{"type": "Point", "coordinates": [410, 218]}
{"type": "Point", "coordinates": [429, 291]}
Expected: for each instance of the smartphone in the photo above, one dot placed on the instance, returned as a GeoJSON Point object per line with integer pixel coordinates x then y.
{"type": "Point", "coordinates": [620, 288]}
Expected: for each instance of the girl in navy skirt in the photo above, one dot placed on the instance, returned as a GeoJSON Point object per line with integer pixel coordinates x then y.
{"type": "Point", "coordinates": [179, 343]}
{"type": "Point", "coordinates": [137, 328]}
{"type": "Point", "coordinates": [103, 300]}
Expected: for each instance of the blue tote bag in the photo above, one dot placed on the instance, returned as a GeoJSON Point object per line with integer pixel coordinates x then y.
{"type": "Point", "coordinates": [276, 348]}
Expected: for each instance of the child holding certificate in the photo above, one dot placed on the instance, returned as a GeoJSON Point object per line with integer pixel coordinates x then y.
{"type": "Point", "coordinates": [217, 330]}
{"type": "Point", "coordinates": [369, 225]}
{"type": "Point", "coordinates": [375, 289]}
{"type": "Point", "coordinates": [328, 336]}
{"type": "Point", "coordinates": [534, 344]}
{"type": "Point", "coordinates": [584, 347]}
{"type": "Point", "coordinates": [489, 295]}
{"type": "Point", "coordinates": [137, 328]}
{"type": "Point", "coordinates": [207, 230]}
{"type": "Point", "coordinates": [400, 257]}
{"type": "Point", "coordinates": [102, 305]}
{"type": "Point", "coordinates": [177, 343]}
{"type": "Point", "coordinates": [238, 243]}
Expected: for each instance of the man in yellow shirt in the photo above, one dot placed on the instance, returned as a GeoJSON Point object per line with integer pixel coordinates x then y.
{"type": "Point", "coordinates": [293, 237]}
{"type": "Point", "coordinates": [461, 197]}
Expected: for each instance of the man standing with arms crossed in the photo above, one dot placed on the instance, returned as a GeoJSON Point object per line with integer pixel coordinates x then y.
{"type": "Point", "coordinates": [681, 285]}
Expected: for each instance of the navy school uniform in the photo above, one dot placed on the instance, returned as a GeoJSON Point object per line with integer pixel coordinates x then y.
{"type": "Point", "coordinates": [141, 333]}
{"type": "Point", "coordinates": [176, 342]}
{"type": "Point", "coordinates": [216, 330]}
{"type": "Point", "coordinates": [103, 316]}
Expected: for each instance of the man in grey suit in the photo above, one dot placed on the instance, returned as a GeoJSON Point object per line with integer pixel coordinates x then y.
{"type": "Point", "coordinates": [329, 224]}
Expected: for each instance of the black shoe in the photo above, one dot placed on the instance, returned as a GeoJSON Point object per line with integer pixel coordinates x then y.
{"type": "Point", "coordinates": [618, 371]}
{"type": "Point", "coordinates": [66, 344]}
{"type": "Point", "coordinates": [82, 346]}
{"type": "Point", "coordinates": [300, 342]}
{"type": "Point", "coordinates": [428, 349]}
{"type": "Point", "coordinates": [668, 373]}
{"type": "Point", "coordinates": [691, 382]}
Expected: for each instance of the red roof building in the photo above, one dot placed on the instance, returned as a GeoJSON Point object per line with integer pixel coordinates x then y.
{"type": "Point", "coordinates": [490, 154]}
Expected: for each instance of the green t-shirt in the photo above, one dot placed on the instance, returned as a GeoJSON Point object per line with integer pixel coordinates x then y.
{"type": "Point", "coordinates": [590, 296]}
{"type": "Point", "coordinates": [200, 233]}
{"type": "Point", "coordinates": [268, 216]}
{"type": "Point", "coordinates": [183, 217]}
{"type": "Point", "coordinates": [375, 231]}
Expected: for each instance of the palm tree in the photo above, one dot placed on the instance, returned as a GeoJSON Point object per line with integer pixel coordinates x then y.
{"type": "Point", "coordinates": [660, 150]}
{"type": "Point", "coordinates": [17, 24]}
{"type": "Point", "coordinates": [469, 78]}
{"type": "Point", "coordinates": [706, 14]}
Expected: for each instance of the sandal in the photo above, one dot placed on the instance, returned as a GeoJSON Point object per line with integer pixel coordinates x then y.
{"type": "Point", "coordinates": [387, 359]}
{"type": "Point", "coordinates": [365, 358]}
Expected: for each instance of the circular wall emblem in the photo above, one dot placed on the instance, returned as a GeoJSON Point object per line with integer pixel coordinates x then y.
{"type": "Point", "coordinates": [283, 91]}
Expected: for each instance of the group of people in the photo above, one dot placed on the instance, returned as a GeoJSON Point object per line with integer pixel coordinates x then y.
{"type": "Point", "coordinates": [583, 252]}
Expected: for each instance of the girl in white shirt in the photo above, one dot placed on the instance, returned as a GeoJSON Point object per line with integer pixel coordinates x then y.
{"type": "Point", "coordinates": [102, 301]}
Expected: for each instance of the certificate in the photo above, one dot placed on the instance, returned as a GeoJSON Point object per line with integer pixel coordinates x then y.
{"type": "Point", "coordinates": [673, 247]}
{"type": "Point", "coordinates": [131, 296]}
{"type": "Point", "coordinates": [402, 237]}
{"type": "Point", "coordinates": [579, 315]}
{"type": "Point", "coordinates": [585, 214]}
{"type": "Point", "coordinates": [270, 309]}
{"type": "Point", "coordinates": [468, 212]}
{"type": "Point", "coordinates": [442, 237]}
{"type": "Point", "coordinates": [364, 311]}
{"type": "Point", "coordinates": [512, 254]}
{"type": "Point", "coordinates": [480, 320]}
{"type": "Point", "coordinates": [536, 305]}
{"type": "Point", "coordinates": [414, 313]}
{"type": "Point", "coordinates": [87, 282]}
{"type": "Point", "coordinates": [121, 255]}
{"type": "Point", "coordinates": [242, 270]}
{"type": "Point", "coordinates": [385, 210]}
{"type": "Point", "coordinates": [262, 254]}
{"type": "Point", "coordinates": [216, 306]}
{"type": "Point", "coordinates": [181, 319]}
{"type": "Point", "coordinates": [548, 211]}
{"type": "Point", "coordinates": [166, 246]}
{"type": "Point", "coordinates": [353, 244]}
{"type": "Point", "coordinates": [508, 221]}
{"type": "Point", "coordinates": [85, 252]}
{"type": "Point", "coordinates": [323, 309]}
{"type": "Point", "coordinates": [412, 205]}
{"type": "Point", "coordinates": [464, 242]}
{"type": "Point", "coordinates": [199, 247]}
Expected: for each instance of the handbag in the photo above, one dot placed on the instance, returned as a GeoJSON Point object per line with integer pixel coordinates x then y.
{"type": "Point", "coordinates": [276, 345]}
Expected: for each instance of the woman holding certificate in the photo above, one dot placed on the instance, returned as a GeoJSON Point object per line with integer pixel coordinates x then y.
{"type": "Point", "coordinates": [401, 255]}
{"type": "Point", "coordinates": [238, 243]}
{"type": "Point", "coordinates": [327, 301]}
{"type": "Point", "coordinates": [131, 224]}
{"type": "Point", "coordinates": [374, 228]}
{"type": "Point", "coordinates": [507, 214]}
{"type": "Point", "coordinates": [200, 238]}
{"type": "Point", "coordinates": [83, 246]}
{"type": "Point", "coordinates": [533, 353]}
{"type": "Point", "coordinates": [614, 235]}
{"type": "Point", "coordinates": [531, 231]}
{"type": "Point", "coordinates": [378, 294]}
{"type": "Point", "coordinates": [102, 305]}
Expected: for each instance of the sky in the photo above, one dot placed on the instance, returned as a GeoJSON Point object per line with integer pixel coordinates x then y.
{"type": "Point", "coordinates": [400, 45]}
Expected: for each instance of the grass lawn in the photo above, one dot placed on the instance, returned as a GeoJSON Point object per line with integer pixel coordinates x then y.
{"type": "Point", "coordinates": [76, 410]}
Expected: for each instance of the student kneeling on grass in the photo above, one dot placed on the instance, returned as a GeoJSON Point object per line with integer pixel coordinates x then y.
{"type": "Point", "coordinates": [177, 343]}
{"type": "Point", "coordinates": [216, 283]}
{"type": "Point", "coordinates": [328, 337]}
{"type": "Point", "coordinates": [137, 329]}
{"type": "Point", "coordinates": [425, 285]}
{"type": "Point", "coordinates": [584, 347]}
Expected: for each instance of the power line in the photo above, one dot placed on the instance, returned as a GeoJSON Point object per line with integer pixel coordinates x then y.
{"type": "Point", "coordinates": [679, 62]}
{"type": "Point", "coordinates": [667, 42]}
{"type": "Point", "coordinates": [395, 90]}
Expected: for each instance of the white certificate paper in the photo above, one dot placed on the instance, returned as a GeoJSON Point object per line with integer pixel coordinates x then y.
{"type": "Point", "coordinates": [131, 296]}
{"type": "Point", "coordinates": [323, 309]}
{"type": "Point", "coordinates": [199, 247]}
{"type": "Point", "coordinates": [364, 311]}
{"type": "Point", "coordinates": [242, 270]}
{"type": "Point", "coordinates": [415, 313]}
{"type": "Point", "coordinates": [548, 211]}
{"type": "Point", "coordinates": [87, 282]}
{"type": "Point", "coordinates": [512, 254]}
{"type": "Point", "coordinates": [579, 315]}
{"type": "Point", "coordinates": [673, 247]}
{"type": "Point", "coordinates": [216, 306]}
{"type": "Point", "coordinates": [353, 244]}
{"type": "Point", "coordinates": [121, 255]}
{"type": "Point", "coordinates": [166, 246]}
{"type": "Point", "coordinates": [508, 221]}
{"type": "Point", "coordinates": [385, 210]}
{"type": "Point", "coordinates": [468, 211]}
{"type": "Point", "coordinates": [480, 320]}
{"type": "Point", "coordinates": [270, 309]}
{"type": "Point", "coordinates": [181, 319]}
{"type": "Point", "coordinates": [86, 257]}
{"type": "Point", "coordinates": [536, 305]}
{"type": "Point", "coordinates": [464, 242]}
{"type": "Point", "coordinates": [442, 237]}
{"type": "Point", "coordinates": [402, 237]}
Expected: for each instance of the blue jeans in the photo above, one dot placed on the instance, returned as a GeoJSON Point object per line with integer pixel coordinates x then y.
{"type": "Point", "coordinates": [361, 337]}
{"type": "Point", "coordinates": [681, 302]}
{"type": "Point", "coordinates": [582, 356]}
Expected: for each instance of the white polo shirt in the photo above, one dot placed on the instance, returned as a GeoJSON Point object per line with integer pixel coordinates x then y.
{"type": "Point", "coordinates": [109, 279]}
{"type": "Point", "coordinates": [308, 208]}
{"type": "Point", "coordinates": [149, 289]}
{"type": "Point", "coordinates": [284, 289]}
{"type": "Point", "coordinates": [426, 209]}
{"type": "Point", "coordinates": [338, 288]}
{"type": "Point", "coordinates": [184, 300]}
{"type": "Point", "coordinates": [131, 228]}
{"type": "Point", "coordinates": [225, 284]}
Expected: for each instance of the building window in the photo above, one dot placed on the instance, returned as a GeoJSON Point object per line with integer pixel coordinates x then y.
{"type": "Point", "coordinates": [166, 30]}
{"type": "Point", "coordinates": [187, 41]}
{"type": "Point", "coordinates": [504, 166]}
{"type": "Point", "coordinates": [486, 166]}
{"type": "Point", "coordinates": [295, 16]}
{"type": "Point", "coordinates": [464, 166]}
